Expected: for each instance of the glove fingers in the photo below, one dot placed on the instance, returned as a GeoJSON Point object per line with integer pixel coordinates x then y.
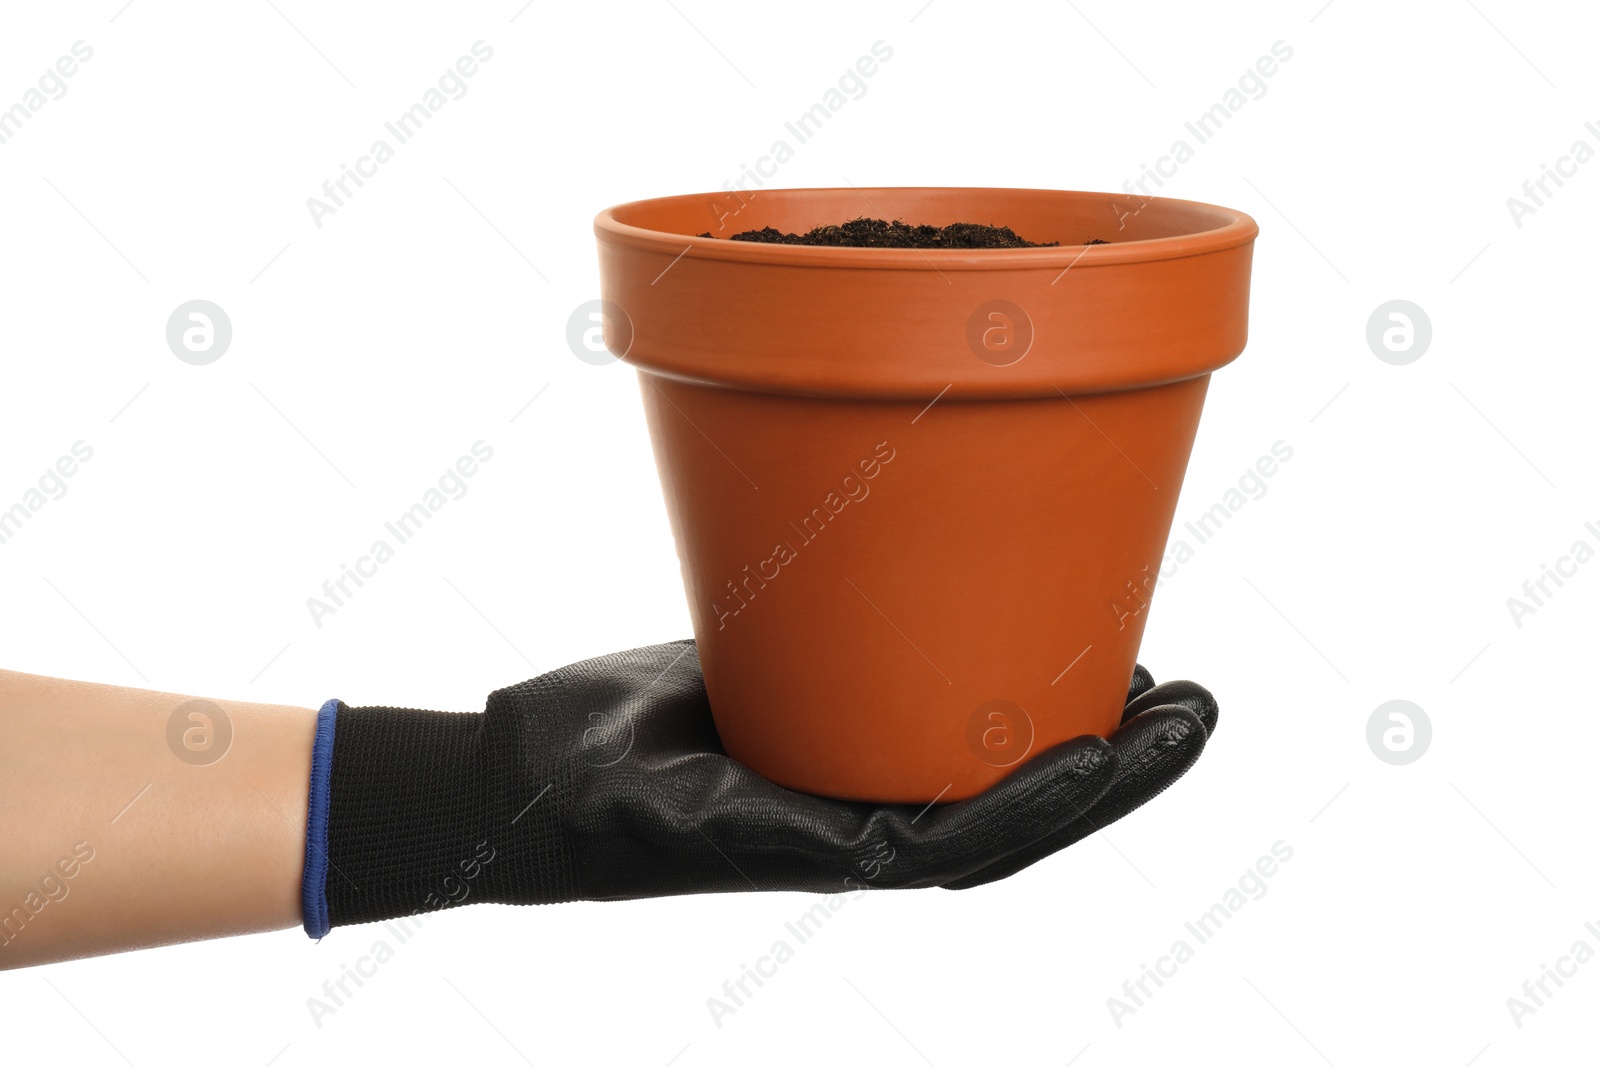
{"type": "Point", "coordinates": [1143, 681]}
{"type": "Point", "coordinates": [859, 846]}
{"type": "Point", "coordinates": [779, 839]}
{"type": "Point", "coordinates": [1189, 695]}
{"type": "Point", "coordinates": [785, 837]}
{"type": "Point", "coordinates": [1152, 751]}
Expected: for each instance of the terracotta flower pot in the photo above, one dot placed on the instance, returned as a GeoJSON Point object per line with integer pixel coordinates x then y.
{"type": "Point", "coordinates": [920, 497]}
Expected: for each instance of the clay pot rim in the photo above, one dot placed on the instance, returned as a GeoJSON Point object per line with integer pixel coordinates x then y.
{"type": "Point", "coordinates": [1234, 228]}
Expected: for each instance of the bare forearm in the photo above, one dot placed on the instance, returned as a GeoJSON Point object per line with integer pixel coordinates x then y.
{"type": "Point", "coordinates": [132, 818]}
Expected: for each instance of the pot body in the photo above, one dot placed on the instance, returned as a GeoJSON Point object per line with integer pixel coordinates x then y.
{"type": "Point", "coordinates": [921, 500]}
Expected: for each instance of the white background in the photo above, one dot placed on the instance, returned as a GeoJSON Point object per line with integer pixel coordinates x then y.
{"type": "Point", "coordinates": [369, 353]}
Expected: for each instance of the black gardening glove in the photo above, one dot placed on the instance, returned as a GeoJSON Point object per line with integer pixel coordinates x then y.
{"type": "Point", "coordinates": [605, 781]}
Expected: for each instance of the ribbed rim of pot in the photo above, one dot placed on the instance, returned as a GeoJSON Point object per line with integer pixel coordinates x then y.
{"type": "Point", "coordinates": [1204, 228]}
{"type": "Point", "coordinates": [1166, 300]}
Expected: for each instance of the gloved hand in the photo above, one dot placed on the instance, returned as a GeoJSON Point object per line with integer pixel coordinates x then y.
{"type": "Point", "coordinates": [605, 781]}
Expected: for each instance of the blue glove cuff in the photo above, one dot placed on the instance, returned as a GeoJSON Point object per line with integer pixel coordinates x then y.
{"type": "Point", "coordinates": [314, 884]}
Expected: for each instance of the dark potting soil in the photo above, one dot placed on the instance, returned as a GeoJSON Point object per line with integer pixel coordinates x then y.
{"type": "Point", "coordinates": [877, 233]}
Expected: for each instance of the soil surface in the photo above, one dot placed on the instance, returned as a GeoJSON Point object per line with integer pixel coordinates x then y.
{"type": "Point", "coordinates": [877, 233]}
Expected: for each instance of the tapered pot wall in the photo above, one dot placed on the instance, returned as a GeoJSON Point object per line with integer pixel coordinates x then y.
{"type": "Point", "coordinates": [925, 602]}
{"type": "Point", "coordinates": [921, 508]}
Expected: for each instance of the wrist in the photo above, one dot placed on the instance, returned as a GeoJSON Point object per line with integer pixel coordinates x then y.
{"type": "Point", "coordinates": [398, 803]}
